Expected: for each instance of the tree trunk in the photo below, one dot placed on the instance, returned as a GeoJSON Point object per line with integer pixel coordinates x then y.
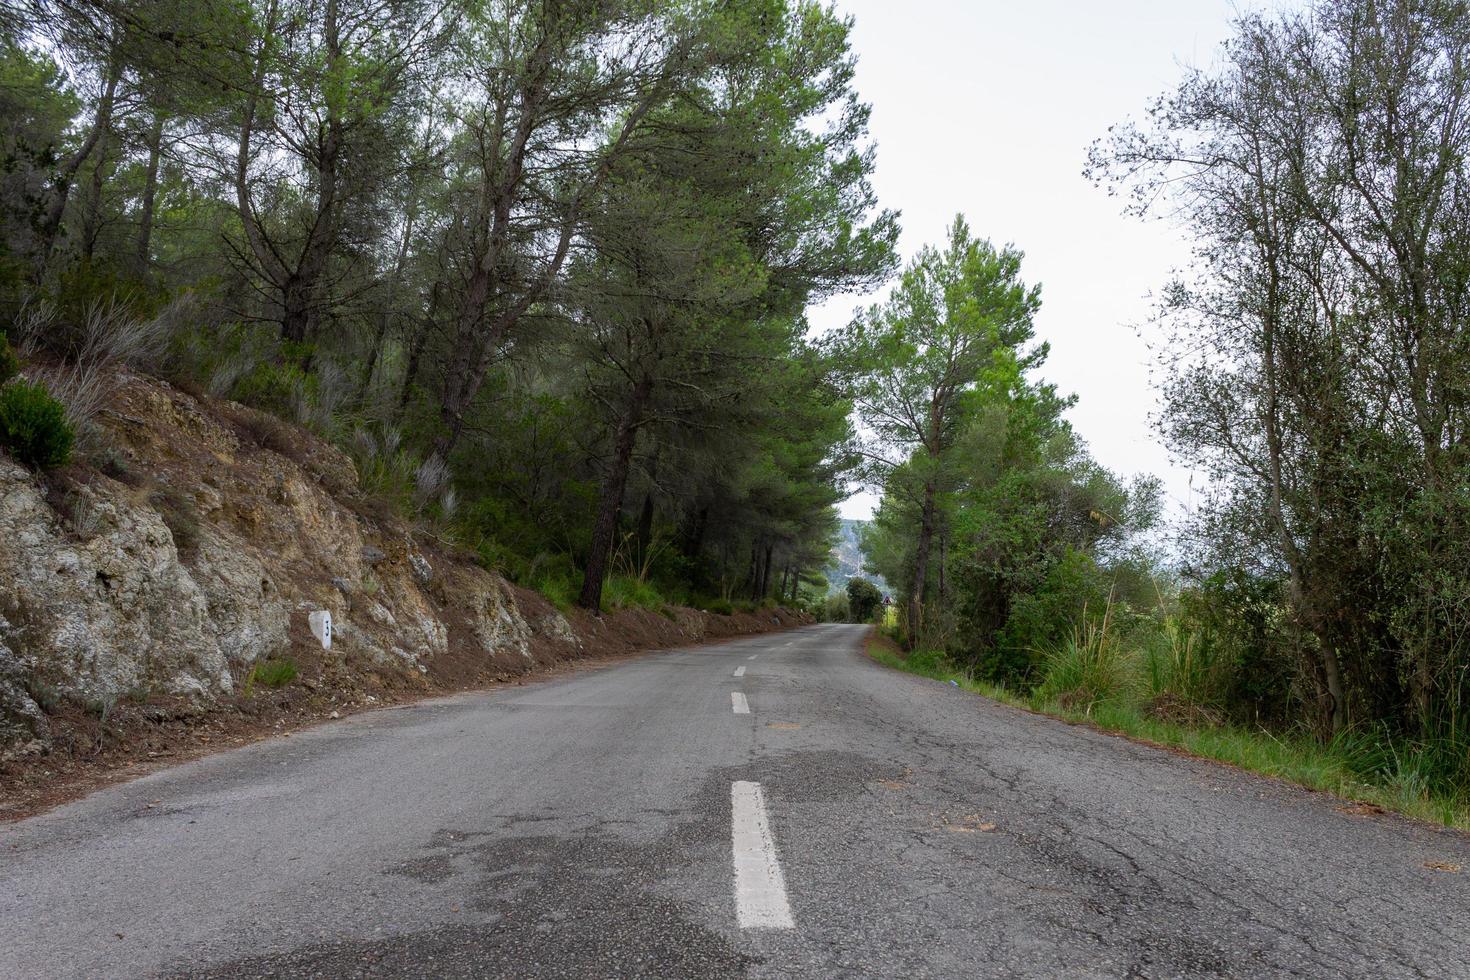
{"type": "Point", "coordinates": [92, 211]}
{"type": "Point", "coordinates": [921, 567]}
{"type": "Point", "coordinates": [941, 572]}
{"type": "Point", "coordinates": [295, 309]}
{"type": "Point", "coordinates": [144, 254]}
{"type": "Point", "coordinates": [645, 528]}
{"type": "Point", "coordinates": [694, 541]}
{"type": "Point", "coordinates": [66, 176]}
{"type": "Point", "coordinates": [416, 350]}
{"type": "Point", "coordinates": [610, 502]}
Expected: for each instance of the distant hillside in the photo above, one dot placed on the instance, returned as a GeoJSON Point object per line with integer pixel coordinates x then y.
{"type": "Point", "coordinates": [847, 559]}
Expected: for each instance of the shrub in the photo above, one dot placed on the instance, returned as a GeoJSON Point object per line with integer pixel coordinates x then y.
{"type": "Point", "coordinates": [723, 607]}
{"type": "Point", "coordinates": [834, 608]}
{"type": "Point", "coordinates": [863, 600]}
{"type": "Point", "coordinates": [1185, 664]}
{"type": "Point", "coordinates": [624, 591]}
{"type": "Point", "coordinates": [275, 388]}
{"type": "Point", "coordinates": [930, 663]}
{"type": "Point", "coordinates": [33, 425]}
{"type": "Point", "coordinates": [1088, 669]}
{"type": "Point", "coordinates": [274, 672]}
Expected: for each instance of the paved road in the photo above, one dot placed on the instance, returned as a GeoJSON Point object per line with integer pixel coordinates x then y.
{"type": "Point", "coordinates": [629, 821]}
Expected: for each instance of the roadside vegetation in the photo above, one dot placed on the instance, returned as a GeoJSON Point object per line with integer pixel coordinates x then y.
{"type": "Point", "coordinates": [539, 268]}
{"type": "Point", "coordinates": [1368, 771]}
{"type": "Point", "coordinates": [1308, 616]}
{"type": "Point", "coordinates": [541, 271]}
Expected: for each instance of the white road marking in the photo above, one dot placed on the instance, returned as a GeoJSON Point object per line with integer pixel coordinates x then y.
{"type": "Point", "coordinates": [752, 656]}
{"type": "Point", "coordinates": [760, 888]}
{"type": "Point", "coordinates": [738, 703]}
{"type": "Point", "coordinates": [739, 671]}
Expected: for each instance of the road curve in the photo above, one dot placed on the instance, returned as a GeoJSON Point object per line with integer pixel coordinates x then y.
{"type": "Point", "coordinates": [635, 821]}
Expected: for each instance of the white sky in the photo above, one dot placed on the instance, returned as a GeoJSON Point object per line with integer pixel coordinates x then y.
{"type": "Point", "coordinates": [988, 108]}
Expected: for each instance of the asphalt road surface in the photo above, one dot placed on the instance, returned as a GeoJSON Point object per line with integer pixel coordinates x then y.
{"type": "Point", "coordinates": [774, 806]}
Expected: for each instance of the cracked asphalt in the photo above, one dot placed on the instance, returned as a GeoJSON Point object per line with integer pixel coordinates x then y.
{"type": "Point", "coordinates": [581, 827]}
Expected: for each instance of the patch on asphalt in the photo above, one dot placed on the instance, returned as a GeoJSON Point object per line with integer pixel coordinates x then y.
{"type": "Point", "coordinates": [785, 726]}
{"type": "Point", "coordinates": [585, 905]}
{"type": "Point", "coordinates": [1360, 809]}
{"type": "Point", "coordinates": [1453, 869]}
{"type": "Point", "coordinates": [968, 823]}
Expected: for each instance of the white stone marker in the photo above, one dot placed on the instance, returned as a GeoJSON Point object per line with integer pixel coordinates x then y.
{"type": "Point", "coordinates": [320, 622]}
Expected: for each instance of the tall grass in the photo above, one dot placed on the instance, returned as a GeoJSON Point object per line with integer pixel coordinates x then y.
{"type": "Point", "coordinates": [1090, 668]}
{"type": "Point", "coordinates": [631, 592]}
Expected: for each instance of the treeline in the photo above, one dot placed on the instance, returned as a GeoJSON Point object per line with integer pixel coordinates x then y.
{"type": "Point", "coordinates": [1316, 366]}
{"type": "Point", "coordinates": [996, 525]}
{"type": "Point", "coordinates": [540, 266]}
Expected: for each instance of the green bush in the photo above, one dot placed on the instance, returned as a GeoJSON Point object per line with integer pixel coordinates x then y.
{"type": "Point", "coordinates": [628, 591]}
{"type": "Point", "coordinates": [274, 388]}
{"type": "Point", "coordinates": [33, 426]}
{"type": "Point", "coordinates": [1089, 669]}
{"type": "Point", "coordinates": [9, 363]}
{"type": "Point", "coordinates": [274, 672]}
{"type": "Point", "coordinates": [928, 662]}
{"type": "Point", "coordinates": [723, 607]}
{"type": "Point", "coordinates": [834, 608]}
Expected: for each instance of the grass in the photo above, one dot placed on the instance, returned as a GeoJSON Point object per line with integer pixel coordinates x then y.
{"type": "Point", "coordinates": [1334, 768]}
{"type": "Point", "coordinates": [272, 672]}
{"type": "Point", "coordinates": [631, 592]}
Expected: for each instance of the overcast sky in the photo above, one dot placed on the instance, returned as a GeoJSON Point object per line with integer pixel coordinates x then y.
{"type": "Point", "coordinates": [987, 107]}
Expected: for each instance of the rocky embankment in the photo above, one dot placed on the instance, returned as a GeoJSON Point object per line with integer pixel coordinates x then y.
{"type": "Point", "coordinates": [141, 592]}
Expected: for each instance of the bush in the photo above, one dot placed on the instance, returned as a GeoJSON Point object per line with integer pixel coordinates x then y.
{"type": "Point", "coordinates": [929, 662]}
{"type": "Point", "coordinates": [1089, 669]}
{"type": "Point", "coordinates": [834, 608]}
{"type": "Point", "coordinates": [33, 425]}
{"type": "Point", "coordinates": [1187, 665]}
{"type": "Point", "coordinates": [625, 591]}
{"type": "Point", "coordinates": [863, 600]}
{"type": "Point", "coordinates": [274, 672]}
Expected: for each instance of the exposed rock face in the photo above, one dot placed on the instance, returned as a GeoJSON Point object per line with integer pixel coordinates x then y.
{"type": "Point", "coordinates": [200, 543]}
{"type": "Point", "coordinates": [23, 725]}
{"type": "Point", "coordinates": [202, 553]}
{"type": "Point", "coordinates": [107, 610]}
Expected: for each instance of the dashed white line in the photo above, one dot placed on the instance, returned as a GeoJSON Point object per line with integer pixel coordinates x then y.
{"type": "Point", "coordinates": [739, 671]}
{"type": "Point", "coordinates": [752, 656]}
{"type": "Point", "coordinates": [760, 888]}
{"type": "Point", "coordinates": [738, 704]}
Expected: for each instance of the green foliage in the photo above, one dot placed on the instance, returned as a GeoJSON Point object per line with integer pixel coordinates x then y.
{"type": "Point", "coordinates": [835, 609]}
{"type": "Point", "coordinates": [278, 387]}
{"type": "Point", "coordinates": [630, 592]}
{"type": "Point", "coordinates": [929, 663]}
{"type": "Point", "coordinates": [863, 600]}
{"type": "Point", "coordinates": [1358, 765]}
{"type": "Point", "coordinates": [274, 672]}
{"type": "Point", "coordinates": [33, 426]}
{"type": "Point", "coordinates": [1043, 617]}
{"type": "Point", "coordinates": [1089, 668]}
